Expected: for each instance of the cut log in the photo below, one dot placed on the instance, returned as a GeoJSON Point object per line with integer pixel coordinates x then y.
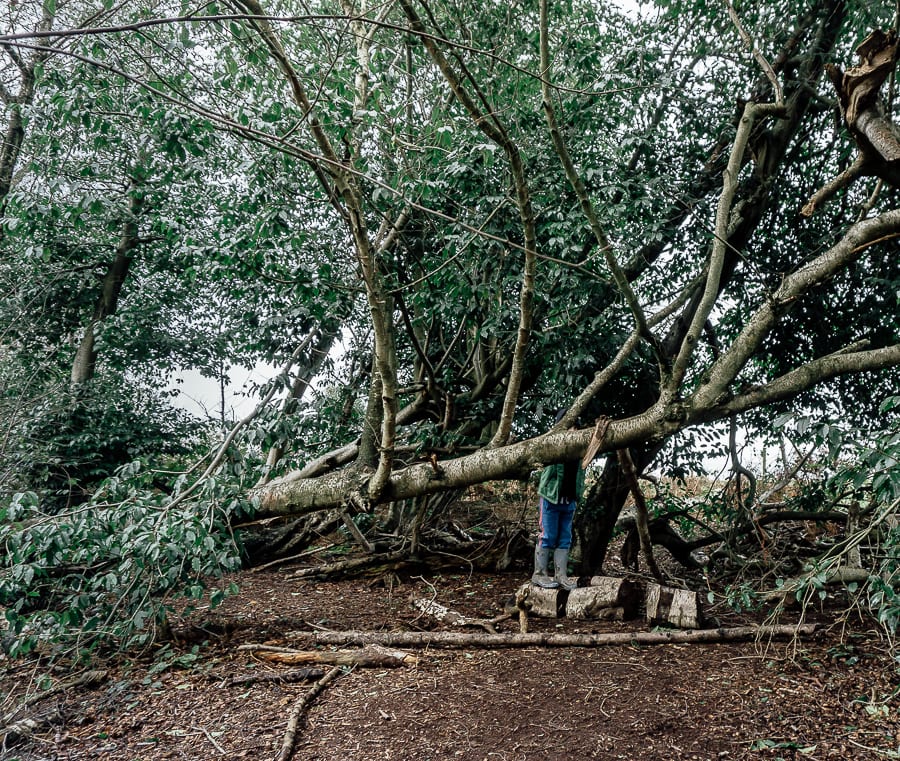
{"type": "Point", "coordinates": [550, 639]}
{"type": "Point", "coordinates": [589, 602]}
{"type": "Point", "coordinates": [675, 607]}
{"type": "Point", "coordinates": [372, 655]}
{"type": "Point", "coordinates": [541, 602]}
{"type": "Point", "coordinates": [604, 592]}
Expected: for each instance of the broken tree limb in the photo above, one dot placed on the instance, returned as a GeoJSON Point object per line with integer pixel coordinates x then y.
{"type": "Point", "coordinates": [304, 702]}
{"type": "Point", "coordinates": [447, 616]}
{"type": "Point", "coordinates": [549, 639]}
{"type": "Point", "coordinates": [600, 429]}
{"type": "Point", "coordinates": [877, 138]}
{"type": "Point", "coordinates": [372, 655]}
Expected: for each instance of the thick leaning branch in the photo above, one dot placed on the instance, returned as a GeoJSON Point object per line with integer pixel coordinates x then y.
{"type": "Point", "coordinates": [855, 241]}
{"type": "Point", "coordinates": [752, 111]}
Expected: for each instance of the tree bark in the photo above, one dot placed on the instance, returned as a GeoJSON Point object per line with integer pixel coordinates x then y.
{"type": "Point", "coordinates": [85, 361]}
{"type": "Point", "coordinates": [549, 639]}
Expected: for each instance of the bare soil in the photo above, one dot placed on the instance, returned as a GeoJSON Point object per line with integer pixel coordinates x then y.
{"type": "Point", "coordinates": [831, 698]}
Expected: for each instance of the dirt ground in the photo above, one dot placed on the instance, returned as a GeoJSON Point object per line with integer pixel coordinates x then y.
{"type": "Point", "coordinates": [831, 698]}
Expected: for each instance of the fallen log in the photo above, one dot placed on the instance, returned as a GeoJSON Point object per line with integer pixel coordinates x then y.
{"type": "Point", "coordinates": [550, 639]}
{"type": "Point", "coordinates": [372, 655]}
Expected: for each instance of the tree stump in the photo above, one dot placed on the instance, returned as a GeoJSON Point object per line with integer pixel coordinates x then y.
{"type": "Point", "coordinates": [676, 607]}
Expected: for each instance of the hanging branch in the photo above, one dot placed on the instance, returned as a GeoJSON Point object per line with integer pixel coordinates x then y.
{"type": "Point", "coordinates": [642, 517]}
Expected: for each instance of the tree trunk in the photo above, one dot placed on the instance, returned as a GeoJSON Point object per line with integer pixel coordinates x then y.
{"type": "Point", "coordinates": [603, 503]}
{"type": "Point", "coordinates": [9, 155]}
{"type": "Point", "coordinates": [86, 356]}
{"type": "Point", "coordinates": [305, 373]}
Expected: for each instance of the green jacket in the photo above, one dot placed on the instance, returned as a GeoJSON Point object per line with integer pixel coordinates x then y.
{"type": "Point", "coordinates": [551, 482]}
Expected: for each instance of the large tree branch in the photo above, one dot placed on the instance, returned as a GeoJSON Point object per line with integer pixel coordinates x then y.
{"type": "Point", "coordinates": [812, 373]}
{"type": "Point", "coordinates": [856, 240]}
{"type": "Point", "coordinates": [716, 264]}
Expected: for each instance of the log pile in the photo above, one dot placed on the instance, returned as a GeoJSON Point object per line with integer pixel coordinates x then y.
{"type": "Point", "coordinates": [609, 598]}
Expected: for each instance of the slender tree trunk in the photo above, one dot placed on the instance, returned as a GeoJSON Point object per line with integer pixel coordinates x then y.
{"type": "Point", "coordinates": [305, 373]}
{"type": "Point", "coordinates": [9, 155]}
{"type": "Point", "coordinates": [85, 361]}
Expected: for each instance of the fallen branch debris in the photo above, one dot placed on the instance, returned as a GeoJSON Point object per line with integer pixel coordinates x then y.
{"type": "Point", "coordinates": [285, 677]}
{"type": "Point", "coordinates": [451, 617]}
{"type": "Point", "coordinates": [304, 702]}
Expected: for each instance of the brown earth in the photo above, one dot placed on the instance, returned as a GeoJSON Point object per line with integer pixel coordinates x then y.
{"type": "Point", "coordinates": [831, 698]}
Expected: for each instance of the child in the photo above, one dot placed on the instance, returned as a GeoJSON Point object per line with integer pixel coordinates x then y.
{"type": "Point", "coordinates": [559, 489]}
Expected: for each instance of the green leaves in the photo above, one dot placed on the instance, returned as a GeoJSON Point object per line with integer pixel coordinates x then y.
{"type": "Point", "coordinates": [109, 573]}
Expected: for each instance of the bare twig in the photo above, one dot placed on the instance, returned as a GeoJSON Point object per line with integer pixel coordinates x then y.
{"type": "Point", "coordinates": [757, 53]}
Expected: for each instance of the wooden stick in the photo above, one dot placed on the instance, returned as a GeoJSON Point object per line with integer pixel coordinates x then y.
{"type": "Point", "coordinates": [372, 655]}
{"type": "Point", "coordinates": [304, 702]}
{"type": "Point", "coordinates": [550, 639]}
{"type": "Point", "coordinates": [294, 675]}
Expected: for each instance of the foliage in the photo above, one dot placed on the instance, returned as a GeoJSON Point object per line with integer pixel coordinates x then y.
{"type": "Point", "coordinates": [74, 439]}
{"type": "Point", "coordinates": [110, 572]}
{"type": "Point", "coordinates": [214, 193]}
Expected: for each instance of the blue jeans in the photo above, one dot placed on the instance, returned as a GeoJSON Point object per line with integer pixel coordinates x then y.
{"type": "Point", "coordinates": [555, 522]}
